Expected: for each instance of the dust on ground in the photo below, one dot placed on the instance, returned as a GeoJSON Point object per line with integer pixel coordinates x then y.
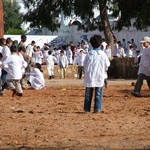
{"type": "Point", "coordinates": [54, 119]}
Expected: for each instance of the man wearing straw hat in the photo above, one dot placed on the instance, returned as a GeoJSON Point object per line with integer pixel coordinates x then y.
{"type": "Point", "coordinates": [144, 67]}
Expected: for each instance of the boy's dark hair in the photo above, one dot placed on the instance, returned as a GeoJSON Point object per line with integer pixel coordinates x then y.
{"type": "Point", "coordinates": [32, 42]}
{"type": "Point", "coordinates": [21, 48]}
{"type": "Point", "coordinates": [64, 47]}
{"type": "Point", "coordinates": [96, 41]}
{"type": "Point", "coordinates": [8, 40]}
{"type": "Point", "coordinates": [131, 46]}
{"type": "Point", "coordinates": [62, 51]}
{"type": "Point", "coordinates": [1, 55]}
{"type": "Point", "coordinates": [46, 48]}
{"type": "Point", "coordinates": [2, 41]}
{"type": "Point", "coordinates": [49, 52]}
{"type": "Point", "coordinates": [38, 65]}
{"type": "Point", "coordinates": [38, 47]}
{"type": "Point", "coordinates": [23, 36]}
{"type": "Point", "coordinates": [103, 40]}
{"type": "Point", "coordinates": [13, 48]}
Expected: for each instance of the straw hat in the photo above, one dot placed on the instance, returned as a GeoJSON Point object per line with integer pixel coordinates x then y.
{"type": "Point", "coordinates": [145, 39]}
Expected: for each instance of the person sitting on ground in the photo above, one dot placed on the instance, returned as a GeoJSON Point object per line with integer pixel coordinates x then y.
{"type": "Point", "coordinates": [36, 78]}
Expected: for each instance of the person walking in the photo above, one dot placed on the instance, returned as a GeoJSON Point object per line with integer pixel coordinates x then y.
{"type": "Point", "coordinates": [2, 44]}
{"type": "Point", "coordinates": [38, 55]}
{"type": "Point", "coordinates": [5, 53]}
{"type": "Point", "coordinates": [14, 65]}
{"type": "Point", "coordinates": [80, 60]}
{"type": "Point", "coordinates": [1, 66]}
{"type": "Point", "coordinates": [124, 46]}
{"type": "Point", "coordinates": [63, 64]}
{"type": "Point", "coordinates": [108, 51]}
{"type": "Point", "coordinates": [69, 55]}
{"type": "Point", "coordinates": [50, 63]}
{"type": "Point", "coordinates": [121, 52]}
{"type": "Point", "coordinates": [23, 41]}
{"type": "Point", "coordinates": [29, 52]}
{"type": "Point", "coordinates": [21, 54]}
{"type": "Point", "coordinates": [144, 68]}
{"type": "Point", "coordinates": [96, 62]}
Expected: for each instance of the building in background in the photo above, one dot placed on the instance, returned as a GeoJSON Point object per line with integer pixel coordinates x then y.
{"type": "Point", "coordinates": [68, 30]}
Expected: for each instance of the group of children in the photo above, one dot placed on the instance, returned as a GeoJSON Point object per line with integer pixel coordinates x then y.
{"type": "Point", "coordinates": [14, 66]}
{"type": "Point", "coordinates": [19, 61]}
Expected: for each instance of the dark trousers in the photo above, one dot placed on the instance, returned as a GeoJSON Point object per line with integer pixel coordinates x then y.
{"type": "Point", "coordinates": [80, 71]}
{"type": "Point", "coordinates": [3, 78]}
{"type": "Point", "coordinates": [139, 82]}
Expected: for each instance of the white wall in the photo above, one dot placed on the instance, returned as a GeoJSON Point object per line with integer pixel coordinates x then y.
{"type": "Point", "coordinates": [66, 34]}
{"type": "Point", "coordinates": [127, 34]}
{"type": "Point", "coordinates": [39, 39]}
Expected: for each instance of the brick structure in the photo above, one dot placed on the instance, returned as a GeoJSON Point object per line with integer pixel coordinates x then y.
{"type": "Point", "coordinates": [1, 20]}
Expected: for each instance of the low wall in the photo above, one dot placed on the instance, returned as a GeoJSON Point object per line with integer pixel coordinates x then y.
{"type": "Point", "coordinates": [120, 68]}
{"type": "Point", "coordinates": [71, 71]}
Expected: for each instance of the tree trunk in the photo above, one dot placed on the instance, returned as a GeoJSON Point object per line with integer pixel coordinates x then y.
{"type": "Point", "coordinates": [1, 20]}
{"type": "Point", "coordinates": [106, 25]}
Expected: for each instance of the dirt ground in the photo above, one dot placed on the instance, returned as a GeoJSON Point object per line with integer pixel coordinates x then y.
{"type": "Point", "coordinates": [53, 119]}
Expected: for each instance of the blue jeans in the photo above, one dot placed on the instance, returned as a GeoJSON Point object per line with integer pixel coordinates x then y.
{"type": "Point", "coordinates": [139, 82]}
{"type": "Point", "coordinates": [3, 78]}
{"type": "Point", "coordinates": [97, 99]}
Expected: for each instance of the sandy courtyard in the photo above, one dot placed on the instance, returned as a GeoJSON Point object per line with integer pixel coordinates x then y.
{"type": "Point", "coordinates": [53, 119]}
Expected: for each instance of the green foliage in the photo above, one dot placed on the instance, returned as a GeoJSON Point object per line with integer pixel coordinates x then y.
{"type": "Point", "coordinates": [46, 13]}
{"type": "Point", "coordinates": [43, 14]}
{"type": "Point", "coordinates": [133, 9]}
{"type": "Point", "coordinates": [12, 31]}
{"type": "Point", "coordinates": [12, 18]}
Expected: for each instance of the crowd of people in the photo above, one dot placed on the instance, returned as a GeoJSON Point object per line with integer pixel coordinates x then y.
{"type": "Point", "coordinates": [19, 61]}
{"type": "Point", "coordinates": [16, 65]}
